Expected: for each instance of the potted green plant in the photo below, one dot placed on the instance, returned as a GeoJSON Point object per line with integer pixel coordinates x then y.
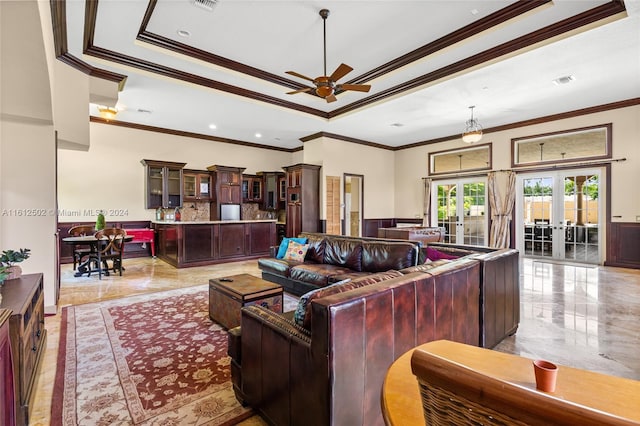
{"type": "Point", "coordinates": [8, 260]}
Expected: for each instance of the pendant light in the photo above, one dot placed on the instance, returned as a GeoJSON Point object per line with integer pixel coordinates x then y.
{"type": "Point", "coordinates": [473, 130]}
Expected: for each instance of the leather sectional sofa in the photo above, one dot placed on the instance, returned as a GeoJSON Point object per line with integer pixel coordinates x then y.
{"type": "Point", "coordinates": [333, 258]}
{"type": "Point", "coordinates": [331, 372]}
{"type": "Point", "coordinates": [329, 368]}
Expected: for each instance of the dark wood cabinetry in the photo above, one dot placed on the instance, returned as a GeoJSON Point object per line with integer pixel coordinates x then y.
{"type": "Point", "coordinates": [251, 188]}
{"type": "Point", "coordinates": [303, 199]}
{"type": "Point", "coordinates": [196, 244]}
{"type": "Point", "coordinates": [163, 184]}
{"type": "Point", "coordinates": [196, 185]}
{"type": "Point", "coordinates": [7, 396]}
{"type": "Point", "coordinates": [274, 194]}
{"type": "Point", "coordinates": [232, 240]}
{"type": "Point", "coordinates": [226, 187]}
{"type": "Point", "coordinates": [24, 297]}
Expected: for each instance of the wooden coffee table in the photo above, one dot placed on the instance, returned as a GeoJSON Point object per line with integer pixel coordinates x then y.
{"type": "Point", "coordinates": [228, 294]}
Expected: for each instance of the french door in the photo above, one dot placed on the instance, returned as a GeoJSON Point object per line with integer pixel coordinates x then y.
{"type": "Point", "coordinates": [460, 207]}
{"type": "Point", "coordinates": [559, 215]}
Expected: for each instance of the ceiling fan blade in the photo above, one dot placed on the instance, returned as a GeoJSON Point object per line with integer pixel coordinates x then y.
{"type": "Point", "coordinates": [306, 89]}
{"type": "Point", "coordinates": [356, 87]}
{"type": "Point", "coordinates": [304, 77]}
{"type": "Point", "coordinates": [331, 98]}
{"type": "Point", "coordinates": [340, 72]}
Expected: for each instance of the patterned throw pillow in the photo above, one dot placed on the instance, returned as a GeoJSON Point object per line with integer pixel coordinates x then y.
{"type": "Point", "coordinates": [296, 251]}
{"type": "Point", "coordinates": [285, 244]}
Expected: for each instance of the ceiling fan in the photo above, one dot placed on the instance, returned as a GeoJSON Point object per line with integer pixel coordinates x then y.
{"type": "Point", "coordinates": [327, 86]}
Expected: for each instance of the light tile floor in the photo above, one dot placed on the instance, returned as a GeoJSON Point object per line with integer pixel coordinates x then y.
{"type": "Point", "coordinates": [582, 316]}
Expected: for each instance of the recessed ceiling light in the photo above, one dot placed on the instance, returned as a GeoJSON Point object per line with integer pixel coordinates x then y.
{"type": "Point", "coordinates": [564, 80]}
{"type": "Point", "coordinates": [474, 11]}
{"type": "Point", "coordinates": [213, 126]}
{"type": "Point", "coordinates": [258, 135]}
{"type": "Point", "coordinates": [184, 33]}
{"type": "Point", "coordinates": [396, 124]}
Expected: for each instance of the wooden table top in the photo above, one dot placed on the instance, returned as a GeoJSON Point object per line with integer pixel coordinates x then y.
{"type": "Point", "coordinates": [594, 391]}
{"type": "Point", "coordinates": [245, 285]}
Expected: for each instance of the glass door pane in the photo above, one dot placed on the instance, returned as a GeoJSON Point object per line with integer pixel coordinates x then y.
{"type": "Point", "coordinates": [581, 217]}
{"type": "Point", "coordinates": [447, 201]}
{"type": "Point", "coordinates": [460, 208]}
{"type": "Point", "coordinates": [559, 215]}
{"type": "Point", "coordinates": [474, 217]}
{"type": "Point", "coordinates": [537, 216]}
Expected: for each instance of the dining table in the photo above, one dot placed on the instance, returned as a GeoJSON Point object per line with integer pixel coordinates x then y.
{"type": "Point", "coordinates": [92, 242]}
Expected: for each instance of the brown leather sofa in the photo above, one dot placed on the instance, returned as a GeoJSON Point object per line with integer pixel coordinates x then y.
{"type": "Point", "coordinates": [499, 289]}
{"type": "Point", "coordinates": [333, 258]}
{"type": "Point", "coordinates": [332, 372]}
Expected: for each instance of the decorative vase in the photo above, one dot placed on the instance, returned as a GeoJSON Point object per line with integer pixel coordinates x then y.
{"type": "Point", "coordinates": [14, 271]}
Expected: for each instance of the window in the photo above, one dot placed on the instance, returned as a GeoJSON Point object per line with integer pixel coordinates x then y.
{"type": "Point", "coordinates": [587, 143]}
{"type": "Point", "coordinates": [477, 157]}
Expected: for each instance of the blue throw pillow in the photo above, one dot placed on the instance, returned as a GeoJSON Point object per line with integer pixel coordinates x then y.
{"type": "Point", "coordinates": [285, 244]}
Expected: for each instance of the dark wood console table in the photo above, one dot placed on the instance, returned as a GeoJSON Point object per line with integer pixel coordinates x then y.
{"type": "Point", "coordinates": [24, 296]}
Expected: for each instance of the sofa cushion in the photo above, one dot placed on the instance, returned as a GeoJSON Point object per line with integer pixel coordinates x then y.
{"type": "Point", "coordinates": [380, 256]}
{"type": "Point", "coordinates": [315, 273]}
{"type": "Point", "coordinates": [434, 254]}
{"type": "Point", "coordinates": [296, 251]}
{"type": "Point", "coordinates": [350, 275]}
{"type": "Point", "coordinates": [302, 315]}
{"type": "Point", "coordinates": [343, 252]}
{"type": "Point", "coordinates": [276, 266]}
{"type": "Point", "coordinates": [284, 244]}
{"type": "Point", "coordinates": [315, 252]}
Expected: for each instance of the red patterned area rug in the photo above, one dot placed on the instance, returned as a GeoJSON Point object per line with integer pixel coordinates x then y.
{"type": "Point", "coordinates": [154, 359]}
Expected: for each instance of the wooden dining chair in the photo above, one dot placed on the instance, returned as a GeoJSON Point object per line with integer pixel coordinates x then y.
{"type": "Point", "coordinates": [80, 251]}
{"type": "Point", "coordinates": [111, 248]}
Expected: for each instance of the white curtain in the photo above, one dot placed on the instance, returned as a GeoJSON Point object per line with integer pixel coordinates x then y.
{"type": "Point", "coordinates": [426, 202]}
{"type": "Point", "coordinates": [502, 196]}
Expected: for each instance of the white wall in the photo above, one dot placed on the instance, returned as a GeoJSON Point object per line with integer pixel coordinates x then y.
{"type": "Point", "coordinates": [411, 164]}
{"type": "Point", "coordinates": [27, 144]}
{"type": "Point", "coordinates": [109, 175]}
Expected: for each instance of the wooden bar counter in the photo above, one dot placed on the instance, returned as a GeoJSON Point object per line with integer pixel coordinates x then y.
{"type": "Point", "coordinates": [506, 384]}
{"type": "Point", "coordinates": [199, 243]}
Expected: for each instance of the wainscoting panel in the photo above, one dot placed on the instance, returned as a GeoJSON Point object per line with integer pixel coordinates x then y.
{"type": "Point", "coordinates": [623, 245]}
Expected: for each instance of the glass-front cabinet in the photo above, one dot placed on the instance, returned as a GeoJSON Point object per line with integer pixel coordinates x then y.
{"type": "Point", "coordinates": [196, 185]}
{"type": "Point", "coordinates": [251, 188]}
{"type": "Point", "coordinates": [163, 184]}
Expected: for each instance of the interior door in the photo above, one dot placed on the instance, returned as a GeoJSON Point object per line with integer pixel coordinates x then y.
{"type": "Point", "coordinates": [353, 204]}
{"type": "Point", "coordinates": [559, 215]}
{"type": "Point", "coordinates": [460, 207]}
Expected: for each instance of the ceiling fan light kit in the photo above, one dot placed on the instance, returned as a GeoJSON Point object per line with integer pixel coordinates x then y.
{"type": "Point", "coordinates": [326, 86]}
{"type": "Point", "coordinates": [473, 130]}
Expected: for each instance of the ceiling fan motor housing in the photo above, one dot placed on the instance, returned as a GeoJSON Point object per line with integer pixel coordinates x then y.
{"type": "Point", "coordinates": [324, 86]}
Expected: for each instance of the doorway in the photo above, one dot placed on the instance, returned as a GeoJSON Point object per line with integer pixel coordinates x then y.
{"type": "Point", "coordinates": [460, 207]}
{"type": "Point", "coordinates": [559, 215]}
{"type": "Point", "coordinates": [353, 204]}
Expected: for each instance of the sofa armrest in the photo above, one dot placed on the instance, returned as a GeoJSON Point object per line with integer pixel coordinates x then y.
{"type": "Point", "coordinates": [276, 367]}
{"type": "Point", "coordinates": [499, 295]}
{"type": "Point", "coordinates": [278, 323]}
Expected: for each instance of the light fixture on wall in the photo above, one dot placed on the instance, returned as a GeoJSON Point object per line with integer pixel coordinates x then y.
{"type": "Point", "coordinates": [108, 113]}
{"type": "Point", "coordinates": [473, 130]}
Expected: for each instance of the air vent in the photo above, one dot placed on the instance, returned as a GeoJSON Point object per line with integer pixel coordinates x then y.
{"type": "Point", "coordinates": [564, 80]}
{"type": "Point", "coordinates": [205, 4]}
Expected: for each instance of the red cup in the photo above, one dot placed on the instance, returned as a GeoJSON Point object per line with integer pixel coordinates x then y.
{"type": "Point", "coordinates": [546, 373]}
